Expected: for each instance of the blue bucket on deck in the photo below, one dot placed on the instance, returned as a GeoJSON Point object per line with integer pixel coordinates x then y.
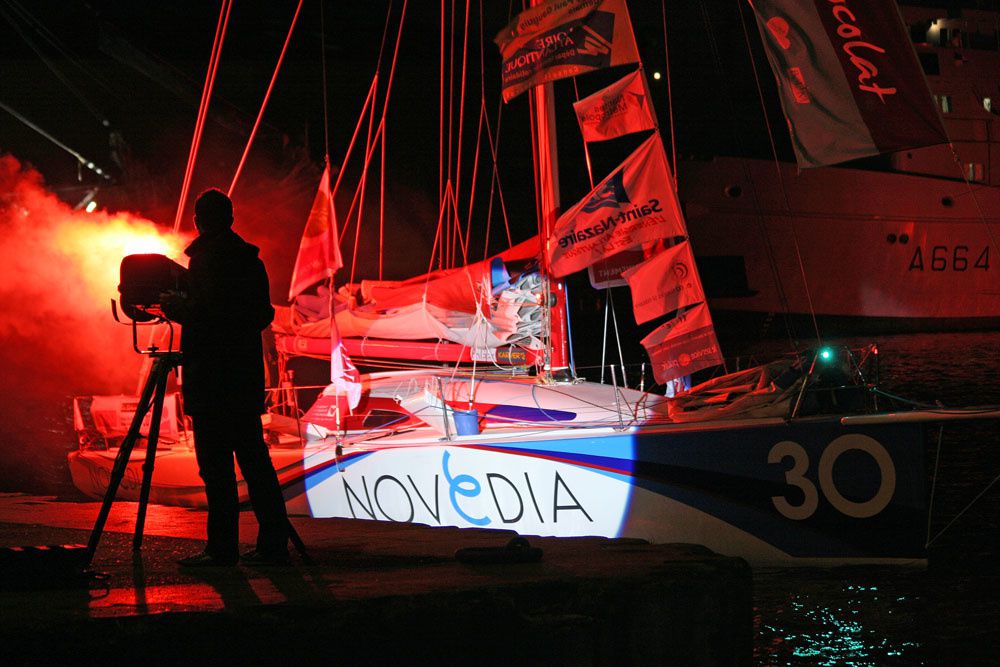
{"type": "Point", "coordinates": [466, 422]}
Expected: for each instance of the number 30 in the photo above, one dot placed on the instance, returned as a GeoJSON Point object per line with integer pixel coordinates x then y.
{"type": "Point", "coordinates": [796, 477]}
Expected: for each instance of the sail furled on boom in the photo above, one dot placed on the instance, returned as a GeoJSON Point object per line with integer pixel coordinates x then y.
{"type": "Point", "coordinates": [849, 81]}
{"type": "Point", "coordinates": [562, 38]}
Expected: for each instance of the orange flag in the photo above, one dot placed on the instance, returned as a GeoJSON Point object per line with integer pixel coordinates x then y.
{"type": "Point", "coordinates": [664, 283]}
{"type": "Point", "coordinates": [621, 108]}
{"type": "Point", "coordinates": [319, 251]}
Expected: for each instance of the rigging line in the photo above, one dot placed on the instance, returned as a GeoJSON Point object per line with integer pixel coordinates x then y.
{"type": "Point", "coordinates": [98, 115]}
{"type": "Point", "coordinates": [761, 225]}
{"type": "Point", "coordinates": [604, 341]}
{"type": "Point", "coordinates": [479, 137]}
{"type": "Point", "coordinates": [267, 96]}
{"type": "Point", "coordinates": [461, 108]}
{"type": "Point", "coordinates": [357, 128]}
{"type": "Point", "coordinates": [670, 98]}
{"type": "Point", "coordinates": [322, 61]}
{"type": "Point", "coordinates": [441, 157]}
{"type": "Point", "coordinates": [975, 199]}
{"type": "Point", "coordinates": [381, 206]}
{"type": "Point", "coordinates": [57, 44]}
{"type": "Point", "coordinates": [206, 94]}
{"type": "Point", "coordinates": [586, 148]}
{"type": "Point", "coordinates": [618, 337]}
{"type": "Point", "coordinates": [359, 192]}
{"type": "Point", "coordinates": [472, 184]}
{"type": "Point", "coordinates": [937, 469]}
{"type": "Point", "coordinates": [781, 181]}
{"type": "Point", "coordinates": [964, 510]}
{"type": "Point", "coordinates": [494, 144]}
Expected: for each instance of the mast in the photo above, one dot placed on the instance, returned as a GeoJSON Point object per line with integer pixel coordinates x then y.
{"type": "Point", "coordinates": [547, 197]}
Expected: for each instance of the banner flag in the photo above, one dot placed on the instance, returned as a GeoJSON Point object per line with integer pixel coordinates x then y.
{"type": "Point", "coordinates": [561, 38]}
{"type": "Point", "coordinates": [343, 394]}
{"type": "Point", "coordinates": [664, 283]}
{"type": "Point", "coordinates": [683, 345]}
{"type": "Point", "coordinates": [850, 82]}
{"type": "Point", "coordinates": [622, 108]}
{"type": "Point", "coordinates": [633, 205]}
{"type": "Point", "coordinates": [319, 250]}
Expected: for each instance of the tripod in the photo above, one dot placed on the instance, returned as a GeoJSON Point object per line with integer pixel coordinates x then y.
{"type": "Point", "coordinates": [153, 394]}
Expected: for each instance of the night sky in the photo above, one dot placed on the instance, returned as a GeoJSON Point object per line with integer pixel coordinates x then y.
{"type": "Point", "coordinates": [107, 73]}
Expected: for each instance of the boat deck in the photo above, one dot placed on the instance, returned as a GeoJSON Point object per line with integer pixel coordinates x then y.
{"type": "Point", "coordinates": [375, 591]}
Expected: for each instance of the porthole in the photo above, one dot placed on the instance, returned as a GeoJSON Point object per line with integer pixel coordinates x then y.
{"type": "Point", "coordinates": [904, 238]}
{"type": "Point", "coordinates": [734, 191]}
{"type": "Point", "coordinates": [891, 238]}
{"type": "Point", "coordinates": [947, 202]}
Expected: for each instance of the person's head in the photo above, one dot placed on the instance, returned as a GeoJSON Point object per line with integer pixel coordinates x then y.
{"type": "Point", "coordinates": [213, 211]}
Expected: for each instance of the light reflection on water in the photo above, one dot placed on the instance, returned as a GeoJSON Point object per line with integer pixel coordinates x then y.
{"type": "Point", "coordinates": [946, 614]}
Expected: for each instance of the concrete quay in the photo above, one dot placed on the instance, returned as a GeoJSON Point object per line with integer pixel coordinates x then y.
{"type": "Point", "coordinates": [375, 592]}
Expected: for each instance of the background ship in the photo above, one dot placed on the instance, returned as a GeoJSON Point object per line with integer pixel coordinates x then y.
{"type": "Point", "coordinates": [912, 235]}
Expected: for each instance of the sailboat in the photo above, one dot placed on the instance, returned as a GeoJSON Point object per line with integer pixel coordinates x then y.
{"type": "Point", "coordinates": [791, 462]}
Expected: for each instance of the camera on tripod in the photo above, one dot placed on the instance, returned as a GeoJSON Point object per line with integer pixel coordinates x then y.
{"type": "Point", "coordinates": [143, 279]}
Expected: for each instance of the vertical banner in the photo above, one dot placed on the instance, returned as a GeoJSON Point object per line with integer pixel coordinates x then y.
{"type": "Point", "coordinates": [319, 250]}
{"type": "Point", "coordinates": [563, 38]}
{"type": "Point", "coordinates": [622, 108]}
{"type": "Point", "coordinates": [634, 205]}
{"type": "Point", "coordinates": [850, 82]}
{"type": "Point", "coordinates": [683, 345]}
{"type": "Point", "coordinates": [664, 283]}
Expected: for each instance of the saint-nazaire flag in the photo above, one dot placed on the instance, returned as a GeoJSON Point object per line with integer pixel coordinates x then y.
{"type": "Point", "coordinates": [633, 205]}
{"type": "Point", "coordinates": [665, 282]}
{"type": "Point", "coordinates": [319, 250]}
{"type": "Point", "coordinates": [683, 345]}
{"type": "Point", "coordinates": [561, 38]}
{"type": "Point", "coordinates": [850, 82]}
{"type": "Point", "coordinates": [621, 108]}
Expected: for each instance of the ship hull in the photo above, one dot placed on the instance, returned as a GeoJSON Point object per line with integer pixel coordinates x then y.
{"type": "Point", "coordinates": [858, 249]}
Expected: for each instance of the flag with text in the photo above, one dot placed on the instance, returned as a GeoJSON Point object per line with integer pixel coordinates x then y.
{"type": "Point", "coordinates": [562, 38]}
{"type": "Point", "coordinates": [634, 205]}
{"type": "Point", "coordinates": [683, 345]}
{"type": "Point", "coordinates": [622, 108]}
{"type": "Point", "coordinates": [849, 80]}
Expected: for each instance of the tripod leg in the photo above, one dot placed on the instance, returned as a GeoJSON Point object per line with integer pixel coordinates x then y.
{"type": "Point", "coordinates": [162, 373]}
{"type": "Point", "coordinates": [300, 546]}
{"type": "Point", "coordinates": [121, 461]}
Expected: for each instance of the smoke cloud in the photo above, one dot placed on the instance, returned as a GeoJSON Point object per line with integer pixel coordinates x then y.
{"type": "Point", "coordinates": [59, 271]}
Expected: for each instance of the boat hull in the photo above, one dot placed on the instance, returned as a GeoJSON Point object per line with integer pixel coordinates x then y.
{"type": "Point", "coordinates": [810, 492]}
{"type": "Point", "coordinates": [883, 251]}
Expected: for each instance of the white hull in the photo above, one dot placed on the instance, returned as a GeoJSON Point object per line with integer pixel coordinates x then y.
{"type": "Point", "coordinates": [872, 245]}
{"type": "Point", "coordinates": [762, 488]}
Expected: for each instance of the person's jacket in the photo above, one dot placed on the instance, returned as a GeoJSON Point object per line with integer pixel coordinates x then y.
{"type": "Point", "coordinates": [227, 307]}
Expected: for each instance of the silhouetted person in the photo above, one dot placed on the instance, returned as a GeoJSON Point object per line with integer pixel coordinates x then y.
{"type": "Point", "coordinates": [223, 312]}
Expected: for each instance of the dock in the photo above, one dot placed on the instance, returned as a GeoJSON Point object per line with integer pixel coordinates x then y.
{"type": "Point", "coordinates": [375, 592]}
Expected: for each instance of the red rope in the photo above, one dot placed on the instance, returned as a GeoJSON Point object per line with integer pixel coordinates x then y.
{"type": "Point", "coordinates": [206, 94]}
{"type": "Point", "coordinates": [267, 96]}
